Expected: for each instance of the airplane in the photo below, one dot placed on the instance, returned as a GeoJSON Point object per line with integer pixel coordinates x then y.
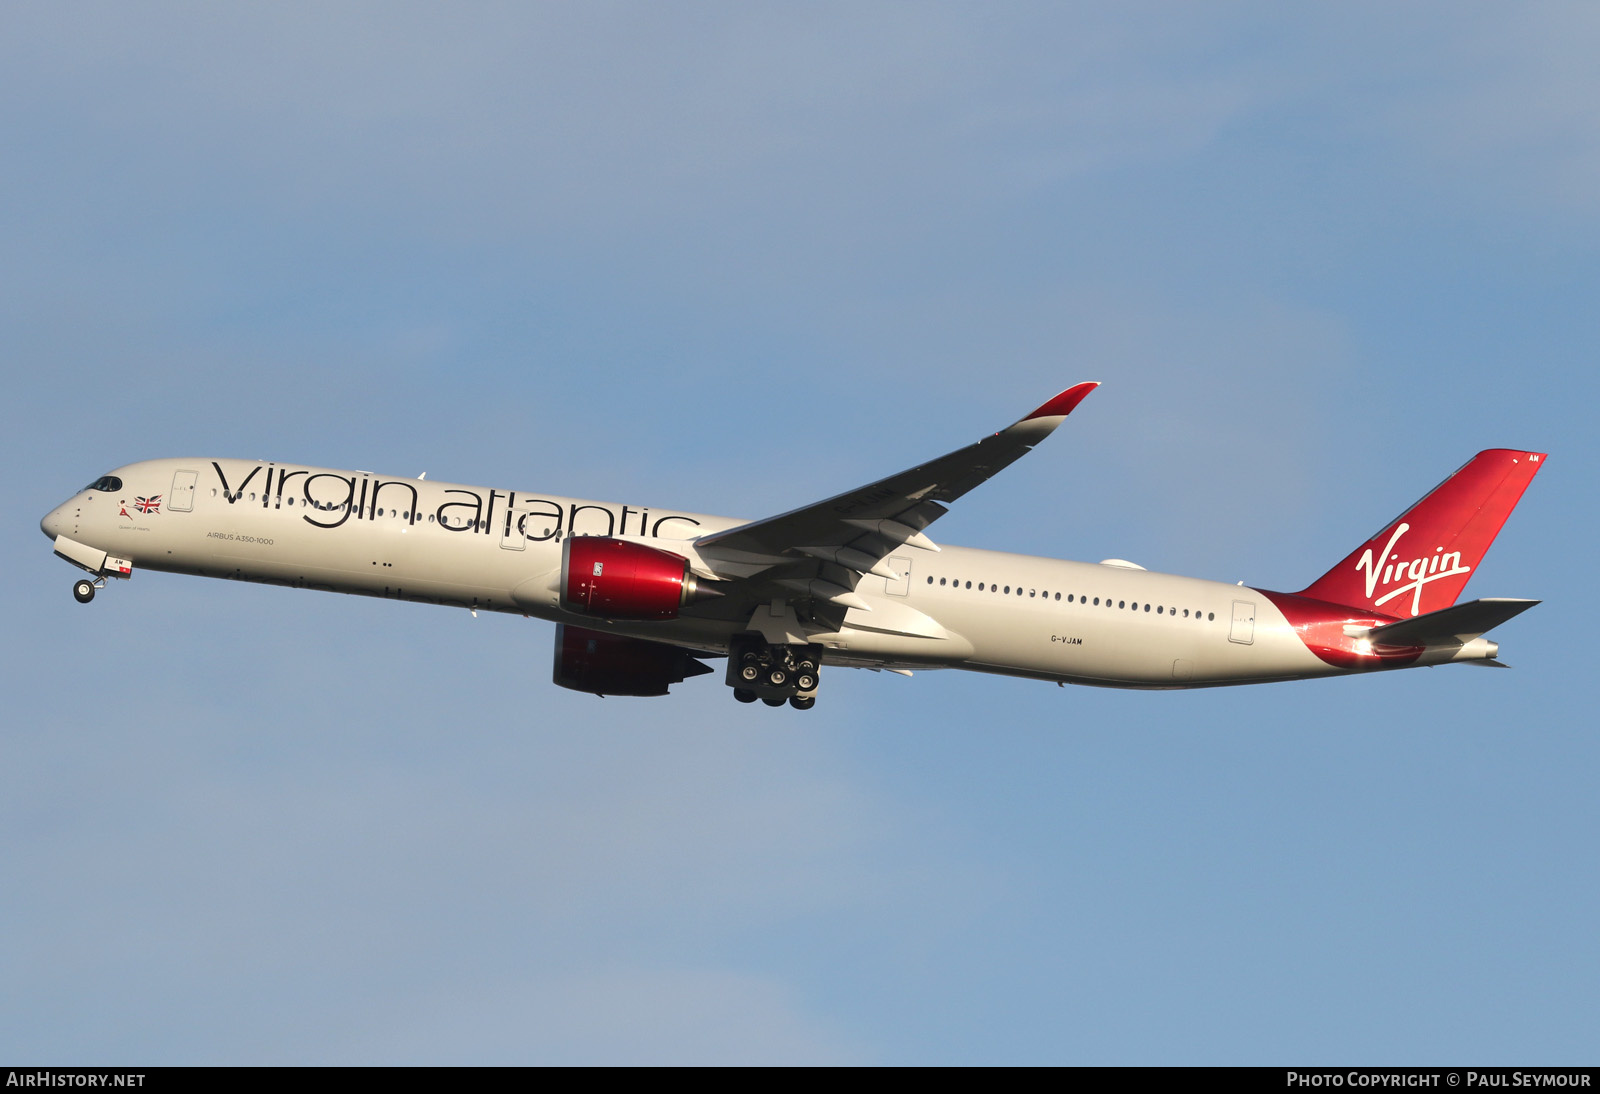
{"type": "Point", "coordinates": [642, 595]}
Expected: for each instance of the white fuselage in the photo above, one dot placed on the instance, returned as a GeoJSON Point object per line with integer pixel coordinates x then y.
{"type": "Point", "coordinates": [501, 550]}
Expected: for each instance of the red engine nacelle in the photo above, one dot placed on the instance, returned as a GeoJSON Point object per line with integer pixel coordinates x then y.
{"type": "Point", "coordinates": [610, 664]}
{"type": "Point", "coordinates": [616, 579]}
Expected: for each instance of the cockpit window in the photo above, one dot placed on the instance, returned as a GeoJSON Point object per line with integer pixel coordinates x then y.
{"type": "Point", "coordinates": [106, 484]}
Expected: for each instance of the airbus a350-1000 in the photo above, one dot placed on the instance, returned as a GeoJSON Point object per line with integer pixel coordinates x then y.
{"type": "Point", "coordinates": [641, 595]}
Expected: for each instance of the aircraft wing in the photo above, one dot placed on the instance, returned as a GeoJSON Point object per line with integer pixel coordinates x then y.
{"type": "Point", "coordinates": [854, 533]}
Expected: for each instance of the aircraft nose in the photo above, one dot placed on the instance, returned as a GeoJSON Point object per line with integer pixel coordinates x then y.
{"type": "Point", "coordinates": [53, 522]}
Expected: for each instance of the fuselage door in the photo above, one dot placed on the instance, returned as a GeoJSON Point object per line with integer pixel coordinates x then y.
{"type": "Point", "coordinates": [1243, 630]}
{"type": "Point", "coordinates": [182, 499]}
{"type": "Point", "coordinates": [522, 526]}
{"type": "Point", "coordinates": [514, 538]}
{"type": "Point", "coordinates": [900, 583]}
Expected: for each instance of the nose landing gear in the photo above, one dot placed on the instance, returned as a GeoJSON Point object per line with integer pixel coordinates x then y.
{"type": "Point", "coordinates": [83, 589]}
{"type": "Point", "coordinates": [773, 674]}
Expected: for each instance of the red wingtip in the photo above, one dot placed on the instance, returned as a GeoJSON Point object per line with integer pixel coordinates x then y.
{"type": "Point", "coordinates": [1063, 404]}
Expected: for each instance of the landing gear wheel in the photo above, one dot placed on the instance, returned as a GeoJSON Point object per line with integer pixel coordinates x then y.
{"type": "Point", "coordinates": [775, 673]}
{"type": "Point", "coordinates": [83, 591]}
{"type": "Point", "coordinates": [803, 704]}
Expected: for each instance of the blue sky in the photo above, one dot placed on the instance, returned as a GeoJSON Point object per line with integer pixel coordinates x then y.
{"type": "Point", "coordinates": [732, 258]}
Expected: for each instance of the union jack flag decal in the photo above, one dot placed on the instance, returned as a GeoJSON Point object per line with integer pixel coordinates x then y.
{"type": "Point", "coordinates": [148, 505]}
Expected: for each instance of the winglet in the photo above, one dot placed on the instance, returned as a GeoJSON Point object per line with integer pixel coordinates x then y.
{"type": "Point", "coordinates": [1043, 421]}
{"type": "Point", "coordinates": [1063, 404]}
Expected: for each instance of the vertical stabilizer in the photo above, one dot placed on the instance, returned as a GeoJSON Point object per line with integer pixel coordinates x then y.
{"type": "Point", "coordinates": [1422, 559]}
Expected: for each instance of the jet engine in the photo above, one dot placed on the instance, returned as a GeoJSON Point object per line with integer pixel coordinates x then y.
{"type": "Point", "coordinates": [618, 579]}
{"type": "Point", "coordinates": [611, 664]}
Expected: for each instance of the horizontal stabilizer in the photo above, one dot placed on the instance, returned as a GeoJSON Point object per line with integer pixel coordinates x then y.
{"type": "Point", "coordinates": [1460, 623]}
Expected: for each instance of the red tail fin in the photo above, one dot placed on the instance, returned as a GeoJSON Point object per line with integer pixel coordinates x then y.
{"type": "Point", "coordinates": [1422, 559]}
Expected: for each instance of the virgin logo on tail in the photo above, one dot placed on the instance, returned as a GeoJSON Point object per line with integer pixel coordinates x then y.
{"type": "Point", "coordinates": [1459, 517]}
{"type": "Point", "coordinates": [1421, 570]}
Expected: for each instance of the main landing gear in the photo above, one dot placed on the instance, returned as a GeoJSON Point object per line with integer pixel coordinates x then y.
{"type": "Point", "coordinates": [773, 674]}
{"type": "Point", "coordinates": [83, 589]}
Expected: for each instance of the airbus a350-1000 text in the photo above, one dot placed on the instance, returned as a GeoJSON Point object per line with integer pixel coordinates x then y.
{"type": "Point", "coordinates": [642, 595]}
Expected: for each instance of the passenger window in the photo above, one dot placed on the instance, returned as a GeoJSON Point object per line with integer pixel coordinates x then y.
{"type": "Point", "coordinates": [1147, 607]}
